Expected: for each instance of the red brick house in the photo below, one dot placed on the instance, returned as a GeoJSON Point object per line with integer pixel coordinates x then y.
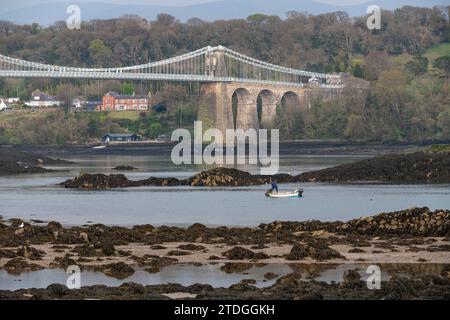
{"type": "Point", "coordinates": [112, 101]}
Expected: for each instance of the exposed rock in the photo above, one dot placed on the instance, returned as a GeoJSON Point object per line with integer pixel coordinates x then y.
{"type": "Point", "coordinates": [270, 276]}
{"type": "Point", "coordinates": [316, 251]}
{"type": "Point", "coordinates": [414, 222]}
{"type": "Point", "coordinates": [249, 281]}
{"type": "Point", "coordinates": [124, 168]}
{"type": "Point", "coordinates": [64, 262]}
{"type": "Point", "coordinates": [239, 253]}
{"type": "Point", "coordinates": [98, 181]}
{"type": "Point", "coordinates": [260, 256]}
{"type": "Point", "coordinates": [352, 276]}
{"type": "Point", "coordinates": [119, 270]}
{"type": "Point", "coordinates": [236, 267]}
{"type": "Point", "coordinates": [356, 250]}
{"type": "Point", "coordinates": [191, 247]}
{"type": "Point", "coordinates": [158, 247]}
{"type": "Point", "coordinates": [30, 253]}
{"type": "Point", "coordinates": [57, 290]}
{"type": "Point", "coordinates": [289, 287]}
{"type": "Point", "coordinates": [298, 252]}
{"type": "Point", "coordinates": [400, 289]}
{"type": "Point", "coordinates": [419, 167]}
{"type": "Point", "coordinates": [16, 162]}
{"type": "Point", "coordinates": [85, 251]}
{"type": "Point", "coordinates": [106, 248]}
{"type": "Point", "coordinates": [19, 265]}
{"type": "Point", "coordinates": [178, 253]}
{"type": "Point", "coordinates": [8, 254]}
{"type": "Point", "coordinates": [157, 263]}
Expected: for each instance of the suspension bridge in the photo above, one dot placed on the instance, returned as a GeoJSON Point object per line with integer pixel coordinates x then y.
{"type": "Point", "coordinates": [225, 76]}
{"type": "Point", "coordinates": [209, 64]}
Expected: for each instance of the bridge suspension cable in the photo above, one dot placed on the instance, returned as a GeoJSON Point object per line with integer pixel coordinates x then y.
{"type": "Point", "coordinates": [209, 64]}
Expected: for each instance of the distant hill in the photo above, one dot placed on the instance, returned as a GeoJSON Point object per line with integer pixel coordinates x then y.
{"type": "Point", "coordinates": [45, 13]}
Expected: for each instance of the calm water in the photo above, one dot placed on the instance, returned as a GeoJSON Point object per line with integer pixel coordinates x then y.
{"type": "Point", "coordinates": [37, 197]}
{"type": "Point", "coordinates": [187, 275]}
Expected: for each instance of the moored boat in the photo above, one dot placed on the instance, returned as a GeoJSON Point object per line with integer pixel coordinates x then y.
{"type": "Point", "coordinates": [295, 194]}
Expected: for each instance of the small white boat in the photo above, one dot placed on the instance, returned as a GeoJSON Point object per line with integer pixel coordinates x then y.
{"type": "Point", "coordinates": [99, 147]}
{"type": "Point", "coordinates": [295, 194]}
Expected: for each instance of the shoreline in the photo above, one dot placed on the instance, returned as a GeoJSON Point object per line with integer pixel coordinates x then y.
{"type": "Point", "coordinates": [308, 147]}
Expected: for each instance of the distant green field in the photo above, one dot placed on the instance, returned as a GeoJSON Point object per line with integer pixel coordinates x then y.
{"type": "Point", "coordinates": [438, 51]}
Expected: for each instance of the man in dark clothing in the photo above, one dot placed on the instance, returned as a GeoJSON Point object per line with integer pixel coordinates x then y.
{"type": "Point", "coordinates": [274, 185]}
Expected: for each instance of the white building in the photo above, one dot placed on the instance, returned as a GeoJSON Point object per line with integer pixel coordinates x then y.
{"type": "Point", "coordinates": [13, 100]}
{"type": "Point", "coordinates": [41, 100]}
{"type": "Point", "coordinates": [78, 102]}
{"type": "Point", "coordinates": [3, 105]}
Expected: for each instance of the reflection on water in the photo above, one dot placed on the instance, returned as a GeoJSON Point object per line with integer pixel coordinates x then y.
{"type": "Point", "coordinates": [36, 197]}
{"type": "Point", "coordinates": [186, 275]}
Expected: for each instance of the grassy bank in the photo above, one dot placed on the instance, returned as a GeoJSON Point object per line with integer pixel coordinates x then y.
{"type": "Point", "coordinates": [57, 127]}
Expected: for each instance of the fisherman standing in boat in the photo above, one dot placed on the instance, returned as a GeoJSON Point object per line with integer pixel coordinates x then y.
{"type": "Point", "coordinates": [274, 184]}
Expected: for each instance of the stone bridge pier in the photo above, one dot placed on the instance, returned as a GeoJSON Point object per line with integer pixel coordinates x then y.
{"type": "Point", "coordinates": [238, 105]}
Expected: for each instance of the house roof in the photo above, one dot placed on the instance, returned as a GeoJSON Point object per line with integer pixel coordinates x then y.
{"type": "Point", "coordinates": [42, 96]}
{"type": "Point", "coordinates": [120, 135]}
{"type": "Point", "coordinates": [93, 103]}
{"type": "Point", "coordinates": [121, 96]}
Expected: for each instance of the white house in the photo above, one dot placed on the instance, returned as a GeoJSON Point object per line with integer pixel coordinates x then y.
{"type": "Point", "coordinates": [13, 100]}
{"type": "Point", "coordinates": [41, 100]}
{"type": "Point", "coordinates": [78, 102]}
{"type": "Point", "coordinates": [3, 105]}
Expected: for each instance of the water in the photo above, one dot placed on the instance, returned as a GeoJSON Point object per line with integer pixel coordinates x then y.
{"type": "Point", "coordinates": [186, 275]}
{"type": "Point", "coordinates": [37, 197]}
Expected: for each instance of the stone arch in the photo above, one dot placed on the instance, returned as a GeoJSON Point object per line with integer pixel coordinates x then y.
{"type": "Point", "coordinates": [290, 100]}
{"type": "Point", "coordinates": [244, 110]}
{"type": "Point", "coordinates": [266, 107]}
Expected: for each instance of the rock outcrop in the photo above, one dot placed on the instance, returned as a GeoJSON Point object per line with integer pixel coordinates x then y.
{"type": "Point", "coordinates": [16, 162]}
{"type": "Point", "coordinates": [419, 167]}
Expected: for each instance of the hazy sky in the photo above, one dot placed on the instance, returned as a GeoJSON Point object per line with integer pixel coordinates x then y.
{"type": "Point", "coordinates": [21, 3]}
{"type": "Point", "coordinates": [7, 5]}
{"type": "Point", "coordinates": [47, 12]}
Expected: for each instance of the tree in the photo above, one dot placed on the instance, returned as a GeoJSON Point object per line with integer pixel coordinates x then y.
{"type": "Point", "coordinates": [418, 66]}
{"type": "Point", "coordinates": [358, 71]}
{"type": "Point", "coordinates": [443, 121]}
{"type": "Point", "coordinates": [165, 19]}
{"type": "Point", "coordinates": [154, 130]}
{"type": "Point", "coordinates": [443, 64]}
{"type": "Point", "coordinates": [128, 89]}
{"type": "Point", "coordinates": [100, 54]}
{"type": "Point", "coordinates": [356, 128]}
{"type": "Point", "coordinates": [35, 28]}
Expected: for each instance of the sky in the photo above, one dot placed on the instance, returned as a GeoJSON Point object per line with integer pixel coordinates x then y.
{"type": "Point", "coordinates": [48, 11]}
{"type": "Point", "coordinates": [7, 5]}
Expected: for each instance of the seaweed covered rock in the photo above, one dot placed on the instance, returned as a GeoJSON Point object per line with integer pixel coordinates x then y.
{"type": "Point", "coordinates": [239, 253]}
{"type": "Point", "coordinates": [233, 177]}
{"type": "Point", "coordinates": [419, 167]}
{"type": "Point", "coordinates": [119, 270]}
{"type": "Point", "coordinates": [318, 251]}
{"type": "Point", "coordinates": [412, 222]}
{"type": "Point", "coordinates": [98, 181]}
{"type": "Point", "coordinates": [18, 265]}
